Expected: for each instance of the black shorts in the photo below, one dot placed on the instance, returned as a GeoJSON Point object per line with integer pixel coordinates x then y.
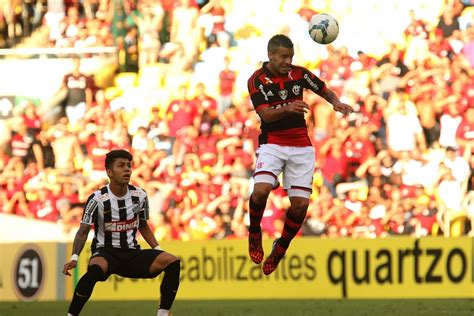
{"type": "Point", "coordinates": [128, 263]}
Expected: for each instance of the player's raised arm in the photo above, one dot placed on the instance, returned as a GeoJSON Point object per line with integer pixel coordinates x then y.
{"type": "Point", "coordinates": [337, 105]}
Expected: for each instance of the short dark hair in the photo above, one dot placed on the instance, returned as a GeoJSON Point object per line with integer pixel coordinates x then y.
{"type": "Point", "coordinates": [111, 156]}
{"type": "Point", "coordinates": [278, 41]}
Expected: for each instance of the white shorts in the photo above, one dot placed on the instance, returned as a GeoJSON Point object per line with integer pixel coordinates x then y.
{"type": "Point", "coordinates": [296, 163]}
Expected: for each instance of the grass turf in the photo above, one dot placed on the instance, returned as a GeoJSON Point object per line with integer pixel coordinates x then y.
{"type": "Point", "coordinates": [252, 308]}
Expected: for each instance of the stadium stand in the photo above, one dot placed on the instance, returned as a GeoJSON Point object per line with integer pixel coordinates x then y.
{"type": "Point", "coordinates": [402, 164]}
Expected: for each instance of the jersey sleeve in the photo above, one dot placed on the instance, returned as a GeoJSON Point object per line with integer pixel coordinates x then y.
{"type": "Point", "coordinates": [257, 93]}
{"type": "Point", "coordinates": [312, 82]}
{"type": "Point", "coordinates": [90, 210]}
{"type": "Point", "coordinates": [145, 209]}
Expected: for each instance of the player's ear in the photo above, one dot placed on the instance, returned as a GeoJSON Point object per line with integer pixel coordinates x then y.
{"type": "Point", "coordinates": [109, 172]}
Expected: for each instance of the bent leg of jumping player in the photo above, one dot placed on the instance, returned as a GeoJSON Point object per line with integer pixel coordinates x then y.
{"type": "Point", "coordinates": [257, 203]}
{"type": "Point", "coordinates": [298, 180]}
{"type": "Point", "coordinates": [269, 165]}
{"type": "Point", "coordinates": [294, 218]}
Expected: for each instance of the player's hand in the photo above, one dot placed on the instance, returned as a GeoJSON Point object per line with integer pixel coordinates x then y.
{"type": "Point", "coordinates": [297, 107]}
{"type": "Point", "coordinates": [343, 108]}
{"type": "Point", "coordinates": [68, 266]}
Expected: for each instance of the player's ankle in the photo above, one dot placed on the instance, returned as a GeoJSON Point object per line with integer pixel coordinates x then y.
{"type": "Point", "coordinates": [163, 312]}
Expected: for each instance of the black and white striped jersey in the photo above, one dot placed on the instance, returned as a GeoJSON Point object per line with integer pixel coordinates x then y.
{"type": "Point", "coordinates": [116, 219]}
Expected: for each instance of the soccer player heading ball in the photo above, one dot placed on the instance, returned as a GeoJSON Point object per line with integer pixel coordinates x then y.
{"type": "Point", "coordinates": [276, 91]}
{"type": "Point", "coordinates": [117, 211]}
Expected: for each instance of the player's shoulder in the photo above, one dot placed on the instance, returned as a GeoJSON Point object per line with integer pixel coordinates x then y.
{"type": "Point", "coordinates": [301, 69]}
{"type": "Point", "coordinates": [255, 76]}
{"type": "Point", "coordinates": [96, 196]}
{"type": "Point", "coordinates": [100, 195]}
{"type": "Point", "coordinates": [136, 191]}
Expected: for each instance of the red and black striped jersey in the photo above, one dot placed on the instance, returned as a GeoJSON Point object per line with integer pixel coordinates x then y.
{"type": "Point", "coordinates": [116, 219]}
{"type": "Point", "coordinates": [269, 90]}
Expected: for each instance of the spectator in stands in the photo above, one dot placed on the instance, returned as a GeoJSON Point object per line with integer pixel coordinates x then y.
{"type": "Point", "coordinates": [21, 143]}
{"type": "Point", "coordinates": [131, 50]}
{"type": "Point", "coordinates": [31, 119]}
{"type": "Point", "coordinates": [333, 163]}
{"type": "Point", "coordinates": [428, 117]}
{"type": "Point", "coordinates": [70, 27]}
{"type": "Point", "coordinates": [43, 151]}
{"type": "Point", "coordinates": [184, 30]}
{"type": "Point", "coordinates": [404, 131]}
{"type": "Point", "coordinates": [450, 196]}
{"type": "Point", "coordinates": [13, 16]}
{"type": "Point", "coordinates": [79, 87]}
{"type": "Point", "coordinates": [181, 113]}
{"type": "Point", "coordinates": [448, 23]}
{"type": "Point", "coordinates": [43, 206]}
{"type": "Point", "coordinates": [416, 27]}
{"type": "Point", "coordinates": [227, 79]}
{"type": "Point", "coordinates": [149, 24]}
{"type": "Point", "coordinates": [67, 151]}
{"type": "Point", "coordinates": [394, 62]}
{"type": "Point", "coordinates": [204, 102]}
{"type": "Point", "coordinates": [449, 122]}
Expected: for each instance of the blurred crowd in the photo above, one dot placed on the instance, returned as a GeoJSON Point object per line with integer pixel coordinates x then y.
{"type": "Point", "coordinates": [402, 164]}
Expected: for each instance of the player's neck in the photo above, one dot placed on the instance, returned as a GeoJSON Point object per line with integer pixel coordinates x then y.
{"type": "Point", "coordinates": [118, 190]}
{"type": "Point", "coordinates": [274, 72]}
{"type": "Point", "coordinates": [271, 70]}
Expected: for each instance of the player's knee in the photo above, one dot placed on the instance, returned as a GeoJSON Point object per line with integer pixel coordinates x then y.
{"type": "Point", "coordinates": [260, 194]}
{"type": "Point", "coordinates": [174, 266]}
{"type": "Point", "coordinates": [173, 270]}
{"type": "Point", "coordinates": [96, 273]}
{"type": "Point", "coordinates": [300, 206]}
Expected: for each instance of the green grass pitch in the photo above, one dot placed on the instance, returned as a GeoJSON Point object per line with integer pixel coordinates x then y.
{"type": "Point", "coordinates": [252, 308]}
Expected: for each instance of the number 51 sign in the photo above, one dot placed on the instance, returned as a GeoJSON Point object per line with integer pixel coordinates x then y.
{"type": "Point", "coordinates": [29, 273]}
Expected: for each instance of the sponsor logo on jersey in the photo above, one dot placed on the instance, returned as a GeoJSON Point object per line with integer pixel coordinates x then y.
{"type": "Point", "coordinates": [136, 208]}
{"type": "Point", "coordinates": [268, 80]}
{"type": "Point", "coordinates": [103, 197]}
{"type": "Point", "coordinates": [135, 193]}
{"type": "Point", "coordinates": [121, 226]}
{"type": "Point", "coordinates": [311, 82]}
{"type": "Point", "coordinates": [296, 89]}
{"type": "Point", "coordinates": [263, 92]}
{"type": "Point", "coordinates": [283, 94]}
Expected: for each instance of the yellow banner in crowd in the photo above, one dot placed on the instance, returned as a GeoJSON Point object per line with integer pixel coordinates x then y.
{"type": "Point", "coordinates": [400, 267]}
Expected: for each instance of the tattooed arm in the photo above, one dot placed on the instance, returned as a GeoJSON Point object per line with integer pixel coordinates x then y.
{"type": "Point", "coordinates": [78, 245]}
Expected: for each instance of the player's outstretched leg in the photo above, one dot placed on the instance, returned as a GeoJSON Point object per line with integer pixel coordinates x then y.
{"type": "Point", "coordinates": [84, 288]}
{"type": "Point", "coordinates": [255, 231]}
{"type": "Point", "coordinates": [293, 222]}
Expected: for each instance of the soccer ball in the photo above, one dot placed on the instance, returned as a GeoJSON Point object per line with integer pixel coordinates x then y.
{"type": "Point", "coordinates": [323, 28]}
